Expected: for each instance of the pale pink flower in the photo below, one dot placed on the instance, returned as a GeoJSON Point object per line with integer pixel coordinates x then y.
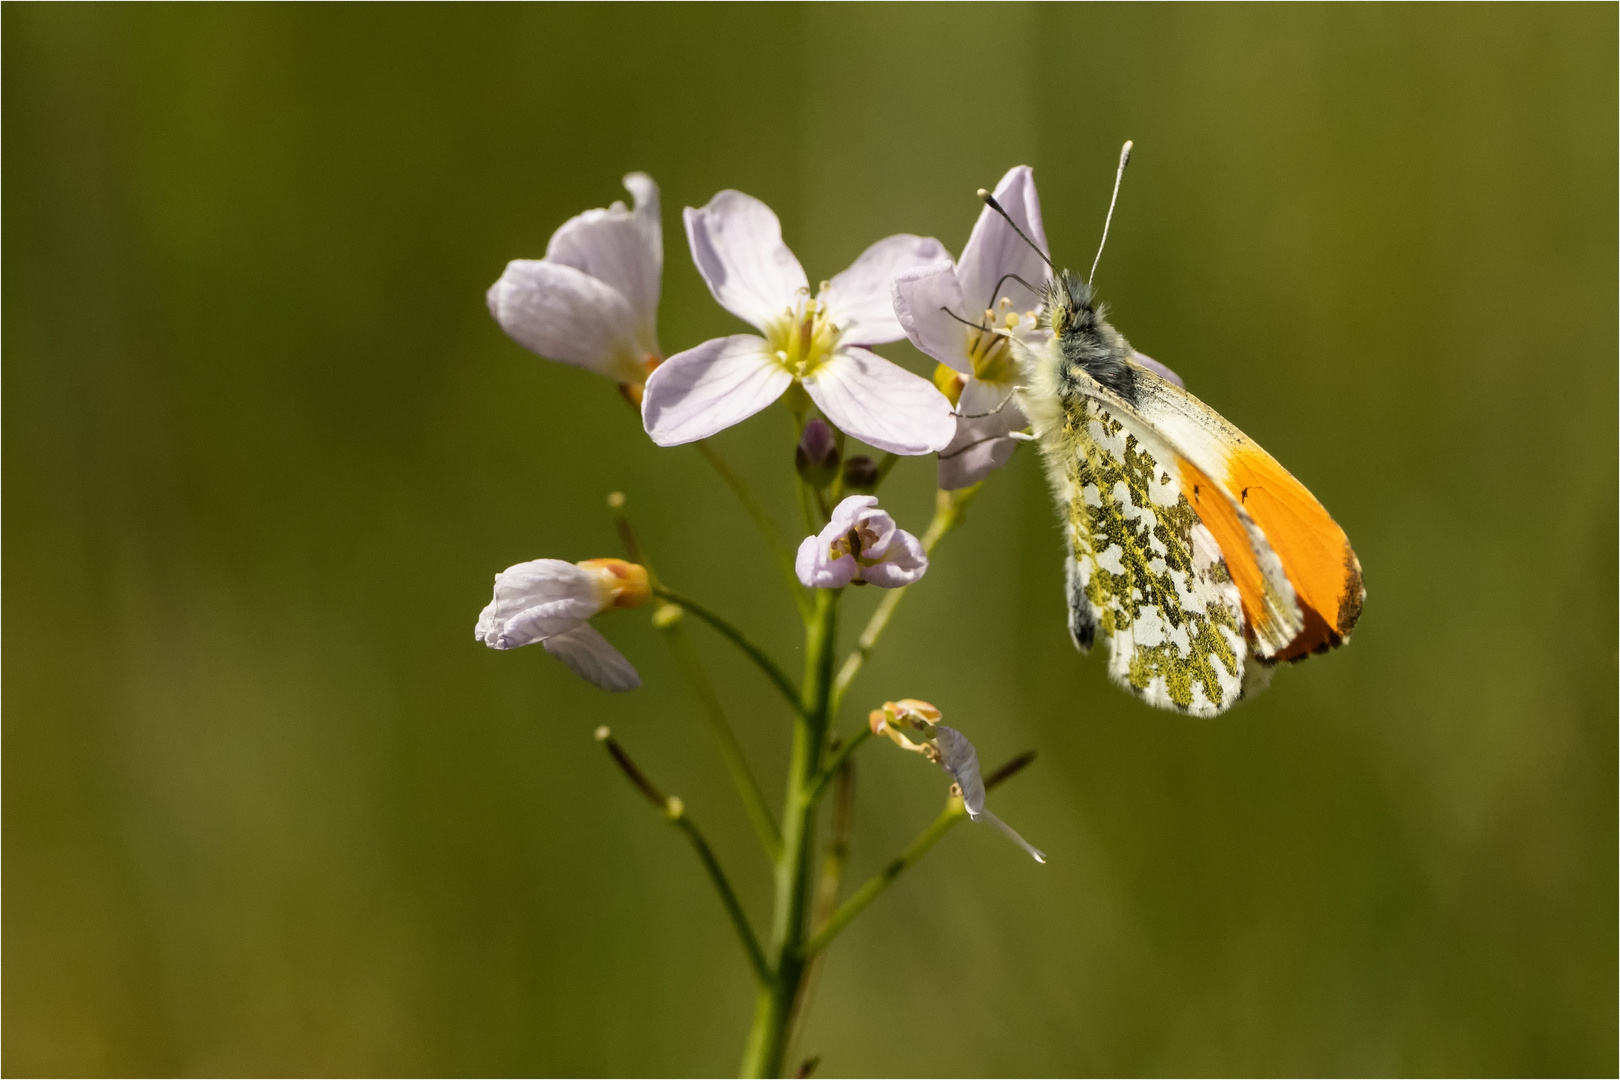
{"type": "Point", "coordinates": [979, 290]}
{"type": "Point", "coordinates": [861, 545]}
{"type": "Point", "coordinates": [593, 300]}
{"type": "Point", "coordinates": [551, 602]}
{"type": "Point", "coordinates": [816, 341]}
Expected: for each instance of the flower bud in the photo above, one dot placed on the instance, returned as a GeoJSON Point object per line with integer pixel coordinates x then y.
{"type": "Point", "coordinates": [620, 584]}
{"type": "Point", "coordinates": [860, 473]}
{"type": "Point", "coordinates": [816, 457]}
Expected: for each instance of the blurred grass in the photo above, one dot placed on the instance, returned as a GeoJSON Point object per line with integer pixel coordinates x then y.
{"type": "Point", "coordinates": [269, 809]}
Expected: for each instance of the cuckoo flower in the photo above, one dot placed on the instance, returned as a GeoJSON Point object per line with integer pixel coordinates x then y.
{"type": "Point", "coordinates": [551, 601]}
{"type": "Point", "coordinates": [815, 341]}
{"type": "Point", "coordinates": [860, 546]}
{"type": "Point", "coordinates": [593, 300]}
{"type": "Point", "coordinates": [962, 313]}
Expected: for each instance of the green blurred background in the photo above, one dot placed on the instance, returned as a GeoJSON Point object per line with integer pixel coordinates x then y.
{"type": "Point", "coordinates": [268, 808]}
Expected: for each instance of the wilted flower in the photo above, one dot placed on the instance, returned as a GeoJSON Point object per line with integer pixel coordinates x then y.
{"type": "Point", "coordinates": [947, 748]}
{"type": "Point", "coordinates": [814, 341]}
{"type": "Point", "coordinates": [593, 300]}
{"type": "Point", "coordinates": [861, 545]}
{"type": "Point", "coordinates": [551, 601]}
{"type": "Point", "coordinates": [988, 304]}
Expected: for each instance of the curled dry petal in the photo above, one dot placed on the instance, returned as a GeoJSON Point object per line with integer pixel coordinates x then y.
{"type": "Point", "coordinates": [703, 390]}
{"type": "Point", "coordinates": [861, 301]}
{"type": "Point", "coordinates": [958, 758]}
{"type": "Point", "coordinates": [737, 245]}
{"type": "Point", "coordinates": [880, 403]}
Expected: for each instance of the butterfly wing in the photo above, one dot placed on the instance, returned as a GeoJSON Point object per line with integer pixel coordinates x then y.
{"type": "Point", "coordinates": [1301, 559]}
{"type": "Point", "coordinates": [1143, 566]}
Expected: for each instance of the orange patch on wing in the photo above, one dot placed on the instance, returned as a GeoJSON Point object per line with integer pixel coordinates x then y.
{"type": "Point", "coordinates": [1314, 551]}
{"type": "Point", "coordinates": [1224, 525]}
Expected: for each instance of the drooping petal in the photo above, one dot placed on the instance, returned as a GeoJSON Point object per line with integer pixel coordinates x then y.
{"type": "Point", "coordinates": [567, 315]}
{"type": "Point", "coordinates": [972, 456]}
{"type": "Point", "coordinates": [623, 249]}
{"type": "Point", "coordinates": [861, 299]}
{"type": "Point", "coordinates": [922, 296]}
{"type": "Point", "coordinates": [958, 757]}
{"type": "Point", "coordinates": [994, 250]}
{"type": "Point", "coordinates": [737, 245]}
{"type": "Point", "coordinates": [535, 600]}
{"type": "Point", "coordinates": [593, 658]}
{"type": "Point", "coordinates": [703, 390]}
{"type": "Point", "coordinates": [818, 569]}
{"type": "Point", "coordinates": [881, 403]}
{"type": "Point", "coordinates": [1157, 368]}
{"type": "Point", "coordinates": [903, 562]}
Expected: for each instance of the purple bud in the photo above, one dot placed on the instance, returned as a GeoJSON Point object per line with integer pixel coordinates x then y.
{"type": "Point", "coordinates": [816, 456]}
{"type": "Point", "coordinates": [860, 473]}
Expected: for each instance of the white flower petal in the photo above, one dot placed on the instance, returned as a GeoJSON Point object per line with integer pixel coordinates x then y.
{"type": "Point", "coordinates": [972, 456]}
{"type": "Point", "coordinates": [590, 656]}
{"type": "Point", "coordinates": [701, 391]}
{"type": "Point", "coordinates": [566, 315]}
{"type": "Point", "coordinates": [847, 514]}
{"type": "Point", "coordinates": [903, 563]}
{"type": "Point", "coordinates": [958, 758]}
{"type": "Point", "coordinates": [994, 250]}
{"type": "Point", "coordinates": [535, 600]}
{"type": "Point", "coordinates": [861, 299]}
{"type": "Point", "coordinates": [1157, 368]}
{"type": "Point", "coordinates": [880, 403]}
{"type": "Point", "coordinates": [921, 298]}
{"type": "Point", "coordinates": [617, 247]}
{"type": "Point", "coordinates": [817, 569]}
{"type": "Point", "coordinates": [737, 245]}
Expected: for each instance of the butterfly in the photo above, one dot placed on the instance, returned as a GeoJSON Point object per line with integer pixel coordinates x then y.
{"type": "Point", "coordinates": [1202, 560]}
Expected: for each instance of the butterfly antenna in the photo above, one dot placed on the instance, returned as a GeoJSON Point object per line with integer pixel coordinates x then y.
{"type": "Point", "coordinates": [1124, 159]}
{"type": "Point", "coordinates": [990, 201]}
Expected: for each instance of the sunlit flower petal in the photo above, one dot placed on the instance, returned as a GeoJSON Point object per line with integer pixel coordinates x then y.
{"type": "Point", "coordinates": [921, 298]}
{"type": "Point", "coordinates": [737, 245]}
{"type": "Point", "coordinates": [880, 403]}
{"type": "Point", "coordinates": [590, 656]}
{"type": "Point", "coordinates": [703, 390]}
{"type": "Point", "coordinates": [903, 562]}
{"type": "Point", "coordinates": [623, 249]}
{"type": "Point", "coordinates": [861, 299]}
{"type": "Point", "coordinates": [564, 314]}
{"type": "Point", "coordinates": [993, 250]}
{"type": "Point", "coordinates": [537, 599]}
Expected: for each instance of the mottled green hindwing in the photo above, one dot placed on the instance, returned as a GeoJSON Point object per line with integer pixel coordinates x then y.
{"type": "Point", "coordinates": [1143, 569]}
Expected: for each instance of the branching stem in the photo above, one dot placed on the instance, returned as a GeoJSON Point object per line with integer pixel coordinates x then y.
{"type": "Point", "coordinates": [778, 678]}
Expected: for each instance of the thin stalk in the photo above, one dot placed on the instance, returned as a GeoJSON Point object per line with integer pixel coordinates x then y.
{"type": "Point", "coordinates": [954, 811]}
{"type": "Point", "coordinates": [762, 522]}
{"type": "Point", "coordinates": [840, 755]}
{"type": "Point", "coordinates": [948, 509]}
{"type": "Point", "coordinates": [833, 863]}
{"type": "Point", "coordinates": [773, 1007]}
{"type": "Point", "coordinates": [674, 811]}
{"type": "Point", "coordinates": [777, 676]}
{"type": "Point", "coordinates": [748, 789]}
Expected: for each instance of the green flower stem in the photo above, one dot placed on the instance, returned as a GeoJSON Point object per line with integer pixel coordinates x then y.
{"type": "Point", "coordinates": [833, 864]}
{"type": "Point", "coordinates": [839, 757]}
{"type": "Point", "coordinates": [774, 1005]}
{"type": "Point", "coordinates": [762, 521]}
{"type": "Point", "coordinates": [753, 796]}
{"type": "Point", "coordinates": [948, 509]}
{"type": "Point", "coordinates": [777, 676]}
{"type": "Point", "coordinates": [954, 811]}
{"type": "Point", "coordinates": [674, 812]}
